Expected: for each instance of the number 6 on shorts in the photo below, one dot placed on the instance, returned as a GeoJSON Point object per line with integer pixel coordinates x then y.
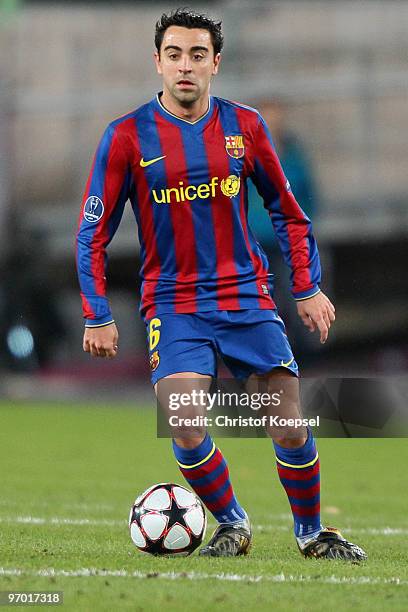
{"type": "Point", "coordinates": [154, 333]}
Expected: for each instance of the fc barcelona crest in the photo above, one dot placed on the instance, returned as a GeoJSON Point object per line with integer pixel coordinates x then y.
{"type": "Point", "coordinates": [234, 145]}
{"type": "Point", "coordinates": [154, 361]}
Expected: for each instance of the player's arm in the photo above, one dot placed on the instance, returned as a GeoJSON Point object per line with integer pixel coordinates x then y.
{"type": "Point", "coordinates": [294, 233]}
{"type": "Point", "coordinates": [102, 208]}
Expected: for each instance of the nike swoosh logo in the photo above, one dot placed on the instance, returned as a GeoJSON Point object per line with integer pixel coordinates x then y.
{"type": "Point", "coordinates": [285, 365]}
{"type": "Point", "coordinates": [144, 163]}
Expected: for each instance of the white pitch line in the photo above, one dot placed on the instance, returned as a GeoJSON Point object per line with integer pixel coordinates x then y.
{"type": "Point", "coordinates": [386, 531]}
{"type": "Point", "coordinates": [58, 521]}
{"type": "Point", "coordinates": [93, 572]}
{"type": "Point", "coordinates": [97, 507]}
{"type": "Point", "coordinates": [55, 520]}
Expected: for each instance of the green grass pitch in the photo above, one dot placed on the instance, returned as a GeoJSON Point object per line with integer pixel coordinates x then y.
{"type": "Point", "coordinates": [68, 475]}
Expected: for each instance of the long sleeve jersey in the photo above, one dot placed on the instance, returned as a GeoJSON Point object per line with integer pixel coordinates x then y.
{"type": "Point", "coordinates": [187, 185]}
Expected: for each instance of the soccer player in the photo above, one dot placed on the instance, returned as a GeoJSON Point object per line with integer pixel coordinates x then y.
{"type": "Point", "coordinates": [183, 160]}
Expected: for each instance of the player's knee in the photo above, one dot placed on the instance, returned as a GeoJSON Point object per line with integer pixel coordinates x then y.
{"type": "Point", "coordinates": [189, 442]}
{"type": "Point", "coordinates": [291, 440]}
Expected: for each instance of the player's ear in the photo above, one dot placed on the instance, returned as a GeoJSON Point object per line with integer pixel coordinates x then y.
{"type": "Point", "coordinates": [217, 60]}
{"type": "Point", "coordinates": [157, 61]}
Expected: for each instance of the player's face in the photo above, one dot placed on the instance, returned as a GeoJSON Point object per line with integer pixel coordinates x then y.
{"type": "Point", "coordinates": [187, 64]}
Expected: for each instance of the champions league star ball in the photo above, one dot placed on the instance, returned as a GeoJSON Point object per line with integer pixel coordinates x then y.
{"type": "Point", "coordinates": [167, 519]}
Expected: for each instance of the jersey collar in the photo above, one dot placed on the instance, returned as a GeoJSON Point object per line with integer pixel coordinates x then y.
{"type": "Point", "coordinates": [178, 120]}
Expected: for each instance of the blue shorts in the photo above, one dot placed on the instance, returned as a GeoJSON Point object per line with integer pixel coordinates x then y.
{"type": "Point", "coordinates": [248, 341]}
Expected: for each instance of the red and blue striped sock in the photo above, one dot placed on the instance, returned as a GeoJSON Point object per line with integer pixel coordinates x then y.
{"type": "Point", "coordinates": [206, 471]}
{"type": "Point", "coordinates": [299, 472]}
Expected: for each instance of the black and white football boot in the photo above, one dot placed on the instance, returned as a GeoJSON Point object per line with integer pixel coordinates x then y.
{"type": "Point", "coordinates": [229, 540]}
{"type": "Point", "coordinates": [330, 544]}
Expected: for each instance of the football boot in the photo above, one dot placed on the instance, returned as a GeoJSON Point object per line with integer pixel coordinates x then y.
{"type": "Point", "coordinates": [229, 540]}
{"type": "Point", "coordinates": [330, 544]}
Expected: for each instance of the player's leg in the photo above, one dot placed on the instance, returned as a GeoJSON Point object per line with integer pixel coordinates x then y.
{"type": "Point", "coordinates": [204, 467]}
{"type": "Point", "coordinates": [299, 472]}
{"type": "Point", "coordinates": [297, 459]}
{"type": "Point", "coordinates": [181, 339]}
{"type": "Point", "coordinates": [200, 461]}
{"type": "Point", "coordinates": [262, 354]}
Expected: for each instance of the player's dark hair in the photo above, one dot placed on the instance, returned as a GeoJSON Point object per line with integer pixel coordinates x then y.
{"type": "Point", "coordinates": [188, 19]}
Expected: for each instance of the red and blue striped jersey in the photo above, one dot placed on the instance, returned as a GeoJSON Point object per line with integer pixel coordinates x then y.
{"type": "Point", "coordinates": [187, 185]}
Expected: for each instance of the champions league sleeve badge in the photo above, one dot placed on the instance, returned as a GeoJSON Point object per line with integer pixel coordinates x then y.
{"type": "Point", "coordinates": [234, 145]}
{"type": "Point", "coordinates": [93, 209]}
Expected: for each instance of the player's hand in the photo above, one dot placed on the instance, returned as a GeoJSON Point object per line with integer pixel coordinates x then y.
{"type": "Point", "coordinates": [101, 341]}
{"type": "Point", "coordinates": [317, 311]}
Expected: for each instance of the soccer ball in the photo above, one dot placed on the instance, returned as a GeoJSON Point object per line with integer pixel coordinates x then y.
{"type": "Point", "coordinates": [167, 519]}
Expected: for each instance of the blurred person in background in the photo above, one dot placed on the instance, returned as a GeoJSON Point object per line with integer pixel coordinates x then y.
{"type": "Point", "coordinates": [32, 326]}
{"type": "Point", "coordinates": [298, 168]}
